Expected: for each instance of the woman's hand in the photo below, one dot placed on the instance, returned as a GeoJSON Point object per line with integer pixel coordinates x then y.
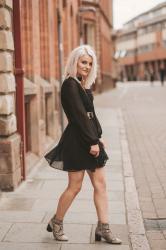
{"type": "Point", "coordinates": [94, 150]}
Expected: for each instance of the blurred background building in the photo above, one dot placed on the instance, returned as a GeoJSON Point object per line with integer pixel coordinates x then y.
{"type": "Point", "coordinates": [36, 37]}
{"type": "Point", "coordinates": [140, 49]}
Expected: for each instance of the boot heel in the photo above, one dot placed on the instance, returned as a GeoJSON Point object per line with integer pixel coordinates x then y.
{"type": "Point", "coordinates": [97, 237]}
{"type": "Point", "coordinates": [49, 228]}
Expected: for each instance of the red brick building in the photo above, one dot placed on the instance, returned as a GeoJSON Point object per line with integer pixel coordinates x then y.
{"type": "Point", "coordinates": [141, 45]}
{"type": "Point", "coordinates": [36, 37]}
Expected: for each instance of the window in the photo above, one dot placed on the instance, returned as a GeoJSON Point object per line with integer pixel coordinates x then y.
{"type": "Point", "coordinates": [44, 42]}
{"type": "Point", "coordinates": [164, 43]}
{"type": "Point", "coordinates": [89, 34]}
{"type": "Point", "coordinates": [146, 48]}
{"type": "Point", "coordinates": [164, 25]}
{"type": "Point", "coordinates": [27, 123]}
{"type": "Point", "coordinates": [27, 44]}
{"type": "Point", "coordinates": [131, 52]}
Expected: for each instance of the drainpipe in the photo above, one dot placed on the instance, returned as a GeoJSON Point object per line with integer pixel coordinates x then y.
{"type": "Point", "coordinates": [19, 74]}
{"type": "Point", "coordinates": [60, 58]}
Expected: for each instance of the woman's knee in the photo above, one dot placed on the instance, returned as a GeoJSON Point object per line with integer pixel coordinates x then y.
{"type": "Point", "coordinates": [75, 188]}
{"type": "Point", "coordinates": [98, 180]}
{"type": "Point", "coordinates": [75, 181]}
{"type": "Point", "coordinates": [100, 185]}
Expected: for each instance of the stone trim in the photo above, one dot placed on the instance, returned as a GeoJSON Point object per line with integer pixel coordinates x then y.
{"type": "Point", "coordinates": [6, 40]}
{"type": "Point", "coordinates": [6, 3]}
{"type": "Point", "coordinates": [5, 20]}
{"type": "Point", "coordinates": [30, 88]}
{"type": "Point", "coordinates": [46, 86]}
{"type": "Point", "coordinates": [6, 62]}
{"type": "Point", "coordinates": [10, 166]}
{"type": "Point", "coordinates": [7, 83]}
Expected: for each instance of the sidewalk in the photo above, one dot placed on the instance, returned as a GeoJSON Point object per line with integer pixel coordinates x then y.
{"type": "Point", "coordinates": [24, 213]}
{"type": "Point", "coordinates": [145, 121]}
{"type": "Point", "coordinates": [144, 115]}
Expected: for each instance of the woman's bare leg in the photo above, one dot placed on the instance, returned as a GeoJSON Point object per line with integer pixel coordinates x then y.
{"type": "Point", "coordinates": [75, 180]}
{"type": "Point", "coordinates": [100, 194]}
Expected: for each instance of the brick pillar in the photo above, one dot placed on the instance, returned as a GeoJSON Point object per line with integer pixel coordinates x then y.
{"type": "Point", "coordinates": [10, 170]}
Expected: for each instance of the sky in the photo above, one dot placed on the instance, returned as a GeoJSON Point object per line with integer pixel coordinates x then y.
{"type": "Point", "coordinates": [124, 10]}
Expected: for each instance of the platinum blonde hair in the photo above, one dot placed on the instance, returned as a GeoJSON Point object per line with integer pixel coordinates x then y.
{"type": "Point", "coordinates": [71, 65]}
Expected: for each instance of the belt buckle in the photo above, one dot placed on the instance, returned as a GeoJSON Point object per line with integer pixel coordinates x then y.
{"type": "Point", "coordinates": [90, 115]}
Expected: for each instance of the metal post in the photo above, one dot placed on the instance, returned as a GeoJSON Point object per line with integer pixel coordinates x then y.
{"type": "Point", "coordinates": [60, 58]}
{"type": "Point", "coordinates": [19, 72]}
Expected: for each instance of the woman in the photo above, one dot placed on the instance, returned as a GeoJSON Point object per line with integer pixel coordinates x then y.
{"type": "Point", "coordinates": [81, 146]}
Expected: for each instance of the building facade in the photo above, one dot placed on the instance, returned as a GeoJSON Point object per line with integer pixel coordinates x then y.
{"type": "Point", "coordinates": [141, 46]}
{"type": "Point", "coordinates": [36, 37]}
{"type": "Point", "coordinates": [96, 29]}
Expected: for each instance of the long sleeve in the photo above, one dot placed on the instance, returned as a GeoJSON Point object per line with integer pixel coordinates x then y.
{"type": "Point", "coordinates": [99, 129]}
{"type": "Point", "coordinates": [98, 126]}
{"type": "Point", "coordinates": [76, 113]}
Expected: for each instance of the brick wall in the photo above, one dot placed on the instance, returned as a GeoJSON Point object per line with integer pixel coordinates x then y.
{"type": "Point", "coordinates": [40, 62]}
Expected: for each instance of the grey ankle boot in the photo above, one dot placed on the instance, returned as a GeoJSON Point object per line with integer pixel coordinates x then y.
{"type": "Point", "coordinates": [56, 226]}
{"type": "Point", "coordinates": [103, 231]}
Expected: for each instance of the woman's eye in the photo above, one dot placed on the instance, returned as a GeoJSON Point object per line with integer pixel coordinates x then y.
{"type": "Point", "coordinates": [85, 62]}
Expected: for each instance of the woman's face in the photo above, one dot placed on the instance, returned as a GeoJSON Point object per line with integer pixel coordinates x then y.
{"type": "Point", "coordinates": [84, 66]}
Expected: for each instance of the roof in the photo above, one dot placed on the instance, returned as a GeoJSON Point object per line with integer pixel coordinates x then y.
{"type": "Point", "coordinates": [159, 6]}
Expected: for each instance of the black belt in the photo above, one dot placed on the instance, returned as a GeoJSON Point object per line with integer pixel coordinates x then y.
{"type": "Point", "coordinates": [90, 115]}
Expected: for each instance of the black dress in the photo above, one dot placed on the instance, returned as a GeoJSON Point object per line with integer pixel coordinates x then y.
{"type": "Point", "coordinates": [83, 130]}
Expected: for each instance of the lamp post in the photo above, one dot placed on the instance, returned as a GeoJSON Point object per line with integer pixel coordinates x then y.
{"type": "Point", "coordinates": [60, 58]}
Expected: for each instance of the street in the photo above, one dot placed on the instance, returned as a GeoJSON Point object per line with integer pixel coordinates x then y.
{"type": "Point", "coordinates": [133, 118]}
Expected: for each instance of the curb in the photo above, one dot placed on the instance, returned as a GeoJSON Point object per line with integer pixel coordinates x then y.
{"type": "Point", "coordinates": [1, 195]}
{"type": "Point", "coordinates": [137, 233]}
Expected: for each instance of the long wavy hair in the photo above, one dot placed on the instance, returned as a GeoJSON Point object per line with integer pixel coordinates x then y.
{"type": "Point", "coordinates": [71, 65]}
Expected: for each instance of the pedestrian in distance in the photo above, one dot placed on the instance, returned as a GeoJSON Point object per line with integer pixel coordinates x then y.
{"type": "Point", "coordinates": [162, 74]}
{"type": "Point", "coordinates": [81, 147]}
{"type": "Point", "coordinates": [151, 73]}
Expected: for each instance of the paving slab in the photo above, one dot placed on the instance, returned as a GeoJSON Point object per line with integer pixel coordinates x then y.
{"type": "Point", "coordinates": [158, 244]}
{"type": "Point", "coordinates": [34, 232]}
{"type": "Point", "coordinates": [16, 204]}
{"type": "Point", "coordinates": [98, 246]}
{"type": "Point", "coordinates": [44, 205]}
{"type": "Point", "coordinates": [154, 235]}
{"type": "Point", "coordinates": [4, 228]}
{"type": "Point", "coordinates": [21, 216]}
{"type": "Point", "coordinates": [28, 246]}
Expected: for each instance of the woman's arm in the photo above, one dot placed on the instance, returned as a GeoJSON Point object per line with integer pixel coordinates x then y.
{"type": "Point", "coordinates": [98, 126]}
{"type": "Point", "coordinates": [73, 105]}
{"type": "Point", "coordinates": [99, 129]}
